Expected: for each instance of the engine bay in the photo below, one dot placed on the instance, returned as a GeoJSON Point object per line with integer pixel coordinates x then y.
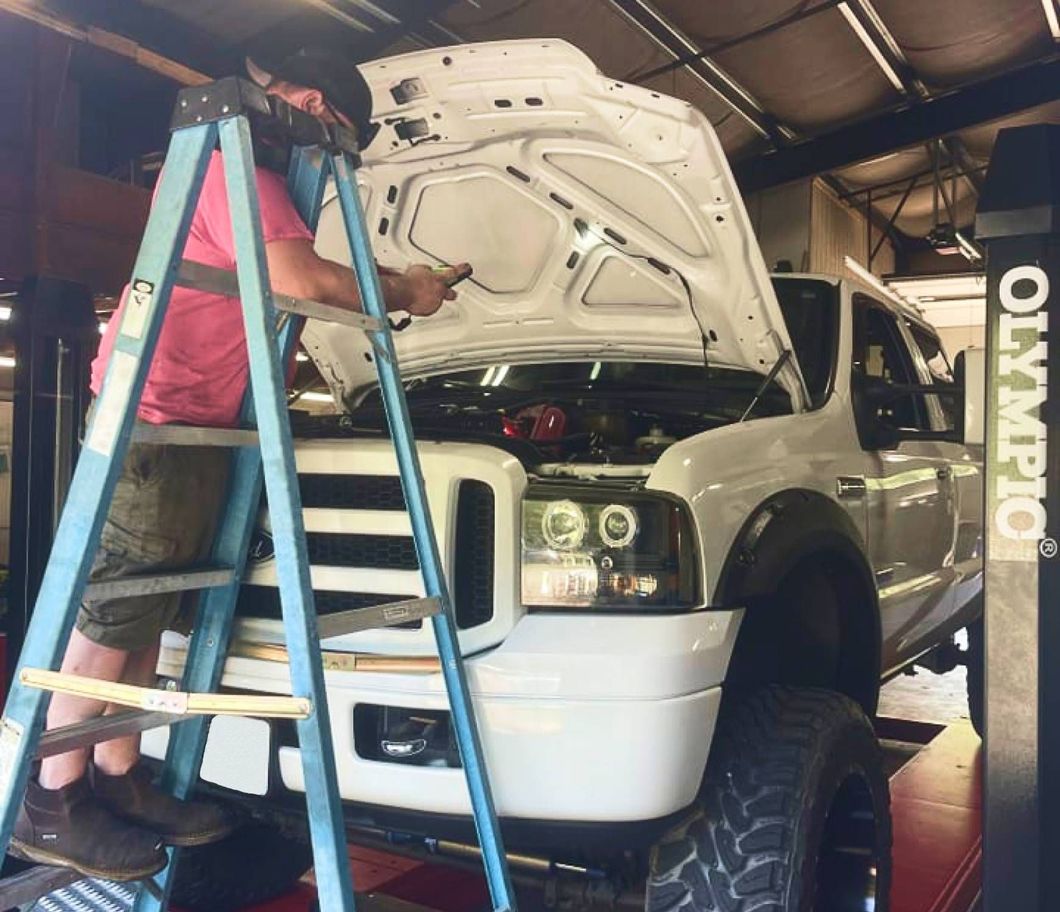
{"type": "Point", "coordinates": [593, 414]}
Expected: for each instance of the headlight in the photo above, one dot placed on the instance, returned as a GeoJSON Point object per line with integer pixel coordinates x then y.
{"type": "Point", "coordinates": [620, 551]}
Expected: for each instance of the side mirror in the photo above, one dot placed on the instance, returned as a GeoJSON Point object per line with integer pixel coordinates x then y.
{"type": "Point", "coordinates": [870, 395]}
{"type": "Point", "coordinates": [874, 393]}
{"type": "Point", "coordinates": [970, 369]}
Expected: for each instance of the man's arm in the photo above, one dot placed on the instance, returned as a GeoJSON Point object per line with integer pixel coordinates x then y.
{"type": "Point", "coordinates": [296, 270]}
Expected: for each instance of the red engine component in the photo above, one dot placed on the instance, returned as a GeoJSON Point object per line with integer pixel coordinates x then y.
{"type": "Point", "coordinates": [546, 422]}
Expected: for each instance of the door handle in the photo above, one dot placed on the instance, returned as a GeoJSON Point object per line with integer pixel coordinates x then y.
{"type": "Point", "coordinates": [942, 473]}
{"type": "Point", "coordinates": [850, 486]}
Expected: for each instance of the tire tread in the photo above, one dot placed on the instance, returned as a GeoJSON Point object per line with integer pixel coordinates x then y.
{"type": "Point", "coordinates": [739, 853]}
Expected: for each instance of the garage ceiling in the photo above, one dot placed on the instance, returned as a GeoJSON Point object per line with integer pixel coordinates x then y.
{"type": "Point", "coordinates": [791, 85]}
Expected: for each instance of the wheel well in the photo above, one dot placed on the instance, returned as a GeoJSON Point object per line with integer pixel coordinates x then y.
{"type": "Point", "coordinates": [818, 628]}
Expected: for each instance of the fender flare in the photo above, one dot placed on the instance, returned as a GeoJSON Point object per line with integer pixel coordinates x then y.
{"type": "Point", "coordinates": [788, 529]}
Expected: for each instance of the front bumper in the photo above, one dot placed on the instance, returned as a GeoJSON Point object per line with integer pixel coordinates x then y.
{"type": "Point", "coordinates": [582, 719]}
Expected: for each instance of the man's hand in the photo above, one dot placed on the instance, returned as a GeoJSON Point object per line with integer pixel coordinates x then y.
{"type": "Point", "coordinates": [421, 290]}
{"type": "Point", "coordinates": [296, 270]}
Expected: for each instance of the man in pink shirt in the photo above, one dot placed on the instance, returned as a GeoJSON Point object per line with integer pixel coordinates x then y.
{"type": "Point", "coordinates": [99, 811]}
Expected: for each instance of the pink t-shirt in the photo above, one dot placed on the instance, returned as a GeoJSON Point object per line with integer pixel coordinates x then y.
{"type": "Point", "coordinates": [199, 372]}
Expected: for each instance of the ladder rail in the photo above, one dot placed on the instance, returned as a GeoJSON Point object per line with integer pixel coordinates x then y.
{"type": "Point", "coordinates": [209, 644]}
{"type": "Point", "coordinates": [267, 384]}
{"type": "Point", "coordinates": [96, 474]}
{"type": "Point", "coordinates": [445, 631]}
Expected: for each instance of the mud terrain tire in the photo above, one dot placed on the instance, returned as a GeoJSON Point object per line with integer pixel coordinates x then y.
{"type": "Point", "coordinates": [794, 814]}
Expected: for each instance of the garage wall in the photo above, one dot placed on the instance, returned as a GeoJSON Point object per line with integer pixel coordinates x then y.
{"type": "Point", "coordinates": [958, 338]}
{"type": "Point", "coordinates": [807, 224]}
{"type": "Point", "coordinates": [779, 217]}
{"type": "Point", "coordinates": [837, 230]}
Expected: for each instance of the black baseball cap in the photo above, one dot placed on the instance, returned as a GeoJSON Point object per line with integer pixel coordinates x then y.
{"type": "Point", "coordinates": [336, 76]}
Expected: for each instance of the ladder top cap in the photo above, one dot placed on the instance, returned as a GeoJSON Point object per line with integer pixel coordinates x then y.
{"type": "Point", "coordinates": [268, 115]}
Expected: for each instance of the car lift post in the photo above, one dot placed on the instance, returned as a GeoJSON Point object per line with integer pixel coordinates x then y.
{"type": "Point", "coordinates": [1019, 221]}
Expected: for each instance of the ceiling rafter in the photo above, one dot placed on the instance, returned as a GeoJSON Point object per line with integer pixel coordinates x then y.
{"type": "Point", "coordinates": [873, 33]}
{"type": "Point", "coordinates": [346, 17]}
{"type": "Point", "coordinates": [981, 102]}
{"type": "Point", "coordinates": [776, 26]}
{"type": "Point", "coordinates": [870, 29]}
{"type": "Point", "coordinates": [664, 33]}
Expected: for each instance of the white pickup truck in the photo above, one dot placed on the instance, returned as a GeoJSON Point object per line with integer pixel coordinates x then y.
{"type": "Point", "coordinates": [691, 515]}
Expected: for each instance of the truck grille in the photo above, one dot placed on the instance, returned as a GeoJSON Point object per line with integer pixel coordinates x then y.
{"type": "Point", "coordinates": [472, 563]}
{"type": "Point", "coordinates": [385, 552]}
{"type": "Point", "coordinates": [352, 492]}
{"type": "Point", "coordinates": [264, 602]}
{"type": "Point", "coordinates": [473, 566]}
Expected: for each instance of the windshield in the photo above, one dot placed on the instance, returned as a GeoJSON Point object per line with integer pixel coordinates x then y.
{"type": "Point", "coordinates": [811, 312]}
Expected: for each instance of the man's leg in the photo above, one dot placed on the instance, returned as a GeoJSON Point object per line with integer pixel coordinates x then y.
{"type": "Point", "coordinates": [83, 657]}
{"type": "Point", "coordinates": [61, 822]}
{"type": "Point", "coordinates": [172, 510]}
{"type": "Point", "coordinates": [119, 755]}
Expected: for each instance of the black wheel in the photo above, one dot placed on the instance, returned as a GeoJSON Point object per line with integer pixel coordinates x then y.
{"type": "Point", "coordinates": [976, 663]}
{"type": "Point", "coordinates": [794, 814]}
{"type": "Point", "coordinates": [256, 863]}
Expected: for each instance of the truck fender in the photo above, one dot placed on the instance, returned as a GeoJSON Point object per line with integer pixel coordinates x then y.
{"type": "Point", "coordinates": [800, 527]}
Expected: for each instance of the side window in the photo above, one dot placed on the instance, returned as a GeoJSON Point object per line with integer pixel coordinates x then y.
{"type": "Point", "coordinates": [939, 368]}
{"type": "Point", "coordinates": [880, 352]}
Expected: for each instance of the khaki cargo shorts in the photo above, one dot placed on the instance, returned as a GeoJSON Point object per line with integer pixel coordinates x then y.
{"type": "Point", "coordinates": [163, 517]}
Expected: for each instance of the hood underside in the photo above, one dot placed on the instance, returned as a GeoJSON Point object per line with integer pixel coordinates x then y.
{"type": "Point", "coordinates": [601, 219]}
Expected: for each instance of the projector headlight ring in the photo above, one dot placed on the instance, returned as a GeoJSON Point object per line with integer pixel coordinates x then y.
{"type": "Point", "coordinates": [564, 525]}
{"type": "Point", "coordinates": [618, 525]}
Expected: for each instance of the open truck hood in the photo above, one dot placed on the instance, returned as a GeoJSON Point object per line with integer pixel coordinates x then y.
{"type": "Point", "coordinates": [601, 219]}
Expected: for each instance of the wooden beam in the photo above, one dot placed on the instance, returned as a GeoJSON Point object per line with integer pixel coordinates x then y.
{"type": "Point", "coordinates": [38, 13]}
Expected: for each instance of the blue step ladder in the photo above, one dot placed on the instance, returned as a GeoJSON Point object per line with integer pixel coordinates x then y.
{"type": "Point", "coordinates": [231, 112]}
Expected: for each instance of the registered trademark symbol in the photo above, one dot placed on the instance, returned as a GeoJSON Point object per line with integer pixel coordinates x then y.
{"type": "Point", "coordinates": [1047, 547]}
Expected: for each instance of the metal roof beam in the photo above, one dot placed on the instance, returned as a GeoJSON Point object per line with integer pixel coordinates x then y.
{"type": "Point", "coordinates": [650, 21]}
{"type": "Point", "coordinates": [762, 32]}
{"type": "Point", "coordinates": [982, 102]}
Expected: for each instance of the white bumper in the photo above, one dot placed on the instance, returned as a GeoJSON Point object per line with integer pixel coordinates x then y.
{"type": "Point", "coordinates": [582, 719]}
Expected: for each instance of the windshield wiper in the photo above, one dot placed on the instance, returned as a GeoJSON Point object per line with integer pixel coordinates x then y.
{"type": "Point", "coordinates": [785, 357]}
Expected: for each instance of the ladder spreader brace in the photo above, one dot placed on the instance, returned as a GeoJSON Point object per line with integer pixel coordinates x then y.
{"type": "Point", "coordinates": [223, 113]}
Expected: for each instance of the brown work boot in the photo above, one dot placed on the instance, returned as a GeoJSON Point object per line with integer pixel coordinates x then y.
{"type": "Point", "coordinates": [135, 798]}
{"type": "Point", "coordinates": [71, 828]}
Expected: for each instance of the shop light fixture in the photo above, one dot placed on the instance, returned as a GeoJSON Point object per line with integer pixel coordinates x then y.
{"type": "Point", "coordinates": [870, 45]}
{"type": "Point", "coordinates": [1052, 18]}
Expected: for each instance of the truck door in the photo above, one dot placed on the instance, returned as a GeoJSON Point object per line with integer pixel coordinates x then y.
{"type": "Point", "coordinates": [909, 491]}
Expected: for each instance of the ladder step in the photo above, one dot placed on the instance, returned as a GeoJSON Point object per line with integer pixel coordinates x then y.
{"type": "Point", "coordinates": [188, 435]}
{"type": "Point", "coordinates": [102, 728]}
{"type": "Point", "coordinates": [26, 887]}
{"type": "Point", "coordinates": [224, 281]}
{"type": "Point", "coordinates": [156, 583]}
{"type": "Point", "coordinates": [376, 617]}
{"type": "Point", "coordinates": [176, 702]}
